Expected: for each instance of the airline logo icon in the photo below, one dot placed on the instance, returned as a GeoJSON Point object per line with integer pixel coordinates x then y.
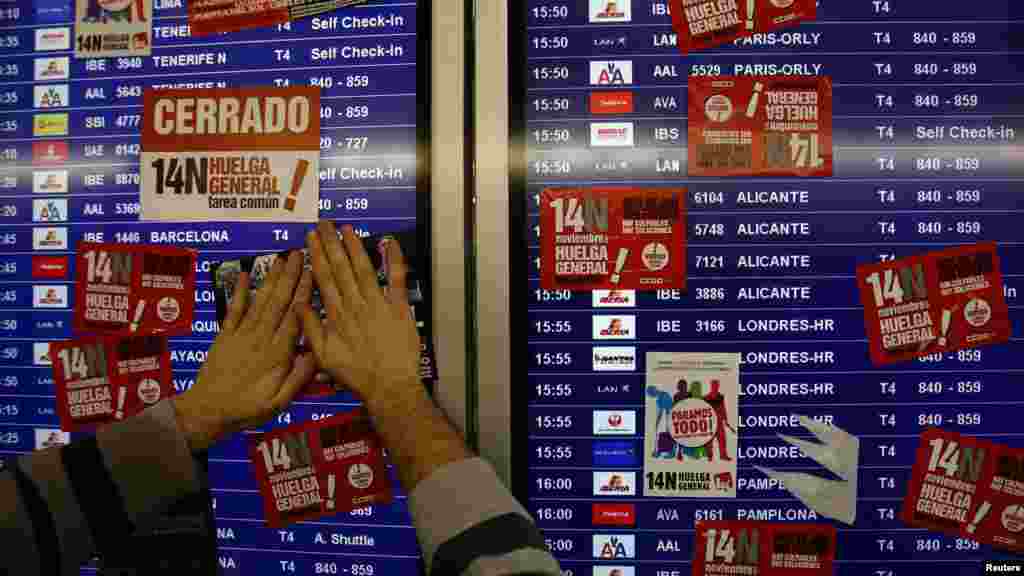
{"type": "Point", "coordinates": [53, 124]}
{"type": "Point", "coordinates": [50, 438]}
{"type": "Point", "coordinates": [614, 453]}
{"type": "Point", "coordinates": [53, 39]}
{"type": "Point", "coordinates": [50, 238]}
{"type": "Point", "coordinates": [55, 210]}
{"type": "Point", "coordinates": [48, 69]}
{"type": "Point", "coordinates": [49, 296]}
{"type": "Point", "coordinates": [50, 182]}
{"type": "Point", "coordinates": [602, 11]}
{"type": "Point", "coordinates": [613, 546]}
{"type": "Point", "coordinates": [614, 422]}
{"type": "Point", "coordinates": [611, 135]}
{"type": "Point", "coordinates": [614, 298]}
{"type": "Point", "coordinates": [49, 266]}
{"type": "Point", "coordinates": [613, 514]}
{"type": "Point", "coordinates": [51, 96]}
{"type": "Point", "coordinates": [611, 102]}
{"type": "Point", "coordinates": [49, 153]}
{"type": "Point", "coordinates": [614, 483]}
{"type": "Point", "coordinates": [614, 571]}
{"type": "Point", "coordinates": [41, 354]}
{"type": "Point", "coordinates": [614, 327]}
{"type": "Point", "coordinates": [617, 359]}
{"type": "Point", "coordinates": [611, 72]}
{"type": "Point", "coordinates": [8, 181]}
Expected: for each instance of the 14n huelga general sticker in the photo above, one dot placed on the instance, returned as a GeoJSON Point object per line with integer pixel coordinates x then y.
{"type": "Point", "coordinates": [690, 437]}
{"type": "Point", "coordinates": [933, 303]}
{"type": "Point", "coordinates": [613, 238]}
{"type": "Point", "coordinates": [107, 28]}
{"type": "Point", "coordinates": [731, 547]}
{"type": "Point", "coordinates": [231, 154]}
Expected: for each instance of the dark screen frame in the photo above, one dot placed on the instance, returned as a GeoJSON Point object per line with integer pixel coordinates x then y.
{"type": "Point", "coordinates": [518, 244]}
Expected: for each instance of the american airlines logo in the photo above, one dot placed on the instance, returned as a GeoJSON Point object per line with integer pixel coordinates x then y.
{"type": "Point", "coordinates": [614, 298]}
{"type": "Point", "coordinates": [614, 327]}
{"type": "Point", "coordinates": [611, 72]}
{"type": "Point", "coordinates": [50, 210]}
{"type": "Point", "coordinates": [41, 353]}
{"type": "Point", "coordinates": [614, 483]}
{"type": "Point", "coordinates": [612, 359]}
{"type": "Point", "coordinates": [612, 546]}
{"type": "Point", "coordinates": [611, 135]}
{"type": "Point", "coordinates": [51, 96]}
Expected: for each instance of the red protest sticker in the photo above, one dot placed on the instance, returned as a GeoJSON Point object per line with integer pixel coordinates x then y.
{"type": "Point", "coordinates": [969, 487]}
{"type": "Point", "coordinates": [728, 547]}
{"type": "Point", "coordinates": [127, 288]}
{"type": "Point", "coordinates": [613, 238]}
{"type": "Point", "coordinates": [933, 303]}
{"type": "Point", "coordinates": [703, 24]}
{"type": "Point", "coordinates": [218, 16]}
{"type": "Point", "coordinates": [102, 379]}
{"type": "Point", "coordinates": [760, 126]}
{"type": "Point", "coordinates": [319, 467]}
{"type": "Point", "coordinates": [351, 463]}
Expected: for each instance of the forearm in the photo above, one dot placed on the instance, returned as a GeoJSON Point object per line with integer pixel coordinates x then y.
{"type": "Point", "coordinates": [417, 435]}
{"type": "Point", "coordinates": [58, 506]}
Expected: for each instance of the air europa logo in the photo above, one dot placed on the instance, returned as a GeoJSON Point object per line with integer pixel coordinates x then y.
{"type": "Point", "coordinates": [619, 102]}
{"type": "Point", "coordinates": [232, 115]}
{"type": "Point", "coordinates": [613, 514]}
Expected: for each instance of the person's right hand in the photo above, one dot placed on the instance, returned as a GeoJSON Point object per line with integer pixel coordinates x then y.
{"type": "Point", "coordinates": [368, 341]}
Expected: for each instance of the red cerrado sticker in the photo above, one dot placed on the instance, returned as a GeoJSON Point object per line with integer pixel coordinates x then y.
{"type": "Point", "coordinates": [102, 379]}
{"type": "Point", "coordinates": [127, 289]}
{"type": "Point", "coordinates": [613, 238]}
{"type": "Point", "coordinates": [729, 547]}
{"type": "Point", "coordinates": [969, 487]}
{"type": "Point", "coordinates": [703, 24]}
{"type": "Point", "coordinates": [319, 467]}
{"type": "Point", "coordinates": [933, 303]}
{"type": "Point", "coordinates": [759, 126]}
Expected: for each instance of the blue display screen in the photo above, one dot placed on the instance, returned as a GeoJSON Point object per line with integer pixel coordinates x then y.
{"type": "Point", "coordinates": [927, 156]}
{"type": "Point", "coordinates": [373, 121]}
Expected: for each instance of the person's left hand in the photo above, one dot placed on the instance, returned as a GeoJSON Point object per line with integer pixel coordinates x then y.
{"type": "Point", "coordinates": [252, 370]}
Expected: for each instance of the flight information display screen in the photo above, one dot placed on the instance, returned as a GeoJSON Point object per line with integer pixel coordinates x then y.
{"type": "Point", "coordinates": [75, 177]}
{"type": "Point", "coordinates": [924, 157]}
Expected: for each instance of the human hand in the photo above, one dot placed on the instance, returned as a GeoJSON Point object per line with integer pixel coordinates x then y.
{"type": "Point", "coordinates": [368, 341]}
{"type": "Point", "coordinates": [252, 370]}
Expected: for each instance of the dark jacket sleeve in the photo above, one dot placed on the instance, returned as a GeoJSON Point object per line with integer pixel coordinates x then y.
{"type": "Point", "coordinates": [469, 524]}
{"type": "Point", "coordinates": [59, 507]}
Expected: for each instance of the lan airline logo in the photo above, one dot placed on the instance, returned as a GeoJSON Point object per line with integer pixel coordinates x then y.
{"type": "Point", "coordinates": [611, 135]}
{"type": "Point", "coordinates": [50, 69]}
{"type": "Point", "coordinates": [611, 72]}
{"type": "Point", "coordinates": [52, 124]}
{"type": "Point", "coordinates": [614, 483]}
{"type": "Point", "coordinates": [614, 546]}
{"type": "Point", "coordinates": [51, 438]}
{"type": "Point", "coordinates": [619, 102]}
{"type": "Point", "coordinates": [41, 354]}
{"type": "Point", "coordinates": [53, 39]}
{"type": "Point", "coordinates": [55, 210]}
{"type": "Point", "coordinates": [602, 11]}
{"type": "Point", "coordinates": [49, 153]}
{"type": "Point", "coordinates": [49, 296]}
{"type": "Point", "coordinates": [614, 571]}
{"type": "Point", "coordinates": [614, 359]}
{"type": "Point", "coordinates": [50, 182]}
{"type": "Point", "coordinates": [49, 238]}
{"type": "Point", "coordinates": [614, 298]}
{"type": "Point", "coordinates": [51, 96]}
{"type": "Point", "coordinates": [614, 422]}
{"type": "Point", "coordinates": [614, 327]}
